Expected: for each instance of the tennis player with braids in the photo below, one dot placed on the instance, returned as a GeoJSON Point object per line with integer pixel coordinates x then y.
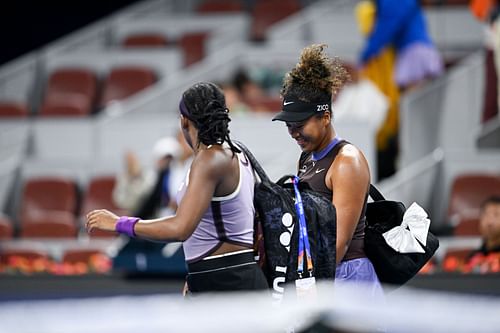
{"type": "Point", "coordinates": [331, 166]}
{"type": "Point", "coordinates": [215, 211]}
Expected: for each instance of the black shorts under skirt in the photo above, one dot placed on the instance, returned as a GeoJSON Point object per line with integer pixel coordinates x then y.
{"type": "Point", "coordinates": [233, 272]}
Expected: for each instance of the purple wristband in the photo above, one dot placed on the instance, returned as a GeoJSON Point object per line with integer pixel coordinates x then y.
{"type": "Point", "coordinates": [125, 225]}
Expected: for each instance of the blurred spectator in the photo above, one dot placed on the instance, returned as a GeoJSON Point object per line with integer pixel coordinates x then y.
{"type": "Point", "coordinates": [233, 99]}
{"type": "Point", "coordinates": [487, 11]}
{"type": "Point", "coordinates": [151, 193]}
{"type": "Point", "coordinates": [360, 100]}
{"type": "Point", "coordinates": [486, 259]}
{"type": "Point", "coordinates": [398, 55]}
{"type": "Point", "coordinates": [379, 69]}
{"type": "Point", "coordinates": [250, 92]}
{"type": "Point", "coordinates": [181, 165]}
{"type": "Point", "coordinates": [402, 25]}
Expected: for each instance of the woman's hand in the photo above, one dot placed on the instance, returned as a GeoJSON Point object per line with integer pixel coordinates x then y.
{"type": "Point", "coordinates": [101, 219]}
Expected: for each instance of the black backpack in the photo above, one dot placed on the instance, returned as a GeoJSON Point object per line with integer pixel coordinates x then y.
{"type": "Point", "coordinates": [277, 228]}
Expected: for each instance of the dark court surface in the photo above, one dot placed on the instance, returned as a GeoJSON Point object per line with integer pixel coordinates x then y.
{"type": "Point", "coordinates": [53, 287]}
{"type": "Point", "coordinates": [17, 287]}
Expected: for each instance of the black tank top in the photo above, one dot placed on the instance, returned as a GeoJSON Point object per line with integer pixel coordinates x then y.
{"type": "Point", "coordinates": [313, 173]}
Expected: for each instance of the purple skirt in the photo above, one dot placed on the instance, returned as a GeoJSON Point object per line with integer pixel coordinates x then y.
{"type": "Point", "coordinates": [416, 63]}
{"type": "Point", "coordinates": [360, 270]}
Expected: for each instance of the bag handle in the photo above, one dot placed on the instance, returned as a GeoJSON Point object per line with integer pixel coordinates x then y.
{"type": "Point", "coordinates": [255, 164]}
{"type": "Point", "coordinates": [375, 193]}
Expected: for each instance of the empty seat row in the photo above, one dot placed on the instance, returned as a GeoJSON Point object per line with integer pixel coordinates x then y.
{"type": "Point", "coordinates": [73, 261]}
{"type": "Point", "coordinates": [70, 255]}
{"type": "Point", "coordinates": [50, 206]}
{"type": "Point", "coordinates": [192, 44]}
{"type": "Point", "coordinates": [219, 6]}
{"type": "Point", "coordinates": [48, 225]}
{"type": "Point", "coordinates": [76, 91]}
{"type": "Point", "coordinates": [263, 13]}
{"type": "Point", "coordinates": [13, 110]}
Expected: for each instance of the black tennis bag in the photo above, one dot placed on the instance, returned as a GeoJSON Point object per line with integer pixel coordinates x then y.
{"type": "Point", "coordinates": [277, 228]}
{"type": "Point", "coordinates": [391, 266]}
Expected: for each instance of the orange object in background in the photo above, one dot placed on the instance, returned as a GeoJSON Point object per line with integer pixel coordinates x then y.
{"type": "Point", "coordinates": [481, 8]}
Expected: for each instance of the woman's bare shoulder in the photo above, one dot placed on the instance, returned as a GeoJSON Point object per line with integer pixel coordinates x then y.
{"type": "Point", "coordinates": [212, 160]}
{"type": "Point", "coordinates": [350, 161]}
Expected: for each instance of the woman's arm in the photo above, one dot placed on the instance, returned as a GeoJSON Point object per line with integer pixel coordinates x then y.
{"type": "Point", "coordinates": [349, 179]}
{"type": "Point", "coordinates": [207, 170]}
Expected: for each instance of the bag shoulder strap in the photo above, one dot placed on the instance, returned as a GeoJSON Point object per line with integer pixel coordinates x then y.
{"type": "Point", "coordinates": [375, 193]}
{"type": "Point", "coordinates": [253, 161]}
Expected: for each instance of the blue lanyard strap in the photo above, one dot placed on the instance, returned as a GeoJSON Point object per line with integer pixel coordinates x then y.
{"type": "Point", "coordinates": [303, 237]}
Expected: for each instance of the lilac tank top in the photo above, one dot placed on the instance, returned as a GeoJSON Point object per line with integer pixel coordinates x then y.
{"type": "Point", "coordinates": [228, 219]}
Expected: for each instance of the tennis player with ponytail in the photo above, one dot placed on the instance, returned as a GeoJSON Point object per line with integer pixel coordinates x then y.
{"type": "Point", "coordinates": [215, 211]}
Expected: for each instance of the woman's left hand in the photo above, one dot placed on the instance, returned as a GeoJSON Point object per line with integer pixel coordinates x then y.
{"type": "Point", "coordinates": [101, 219]}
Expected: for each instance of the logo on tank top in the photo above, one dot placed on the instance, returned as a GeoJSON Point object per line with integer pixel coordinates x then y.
{"type": "Point", "coordinates": [319, 170]}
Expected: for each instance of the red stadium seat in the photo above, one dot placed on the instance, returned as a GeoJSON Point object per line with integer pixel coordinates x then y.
{"type": "Point", "coordinates": [267, 12]}
{"type": "Point", "coordinates": [99, 195]}
{"type": "Point", "coordinates": [266, 104]}
{"type": "Point", "coordinates": [69, 106]}
{"type": "Point", "coordinates": [49, 225]}
{"type": "Point", "coordinates": [145, 40]}
{"type": "Point", "coordinates": [455, 259]}
{"type": "Point", "coordinates": [70, 92]}
{"type": "Point", "coordinates": [125, 81]}
{"type": "Point", "coordinates": [468, 192]}
{"type": "Point", "coordinates": [193, 47]}
{"type": "Point", "coordinates": [29, 254]}
{"type": "Point", "coordinates": [6, 229]}
{"type": "Point", "coordinates": [74, 256]}
{"type": "Point", "coordinates": [219, 6]}
{"type": "Point", "coordinates": [48, 194]}
{"type": "Point", "coordinates": [13, 110]}
{"type": "Point", "coordinates": [467, 227]}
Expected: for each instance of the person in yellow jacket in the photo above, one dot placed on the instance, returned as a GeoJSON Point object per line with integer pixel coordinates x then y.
{"type": "Point", "coordinates": [379, 70]}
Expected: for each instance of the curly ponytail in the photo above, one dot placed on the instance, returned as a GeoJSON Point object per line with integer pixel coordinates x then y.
{"type": "Point", "coordinates": [316, 77]}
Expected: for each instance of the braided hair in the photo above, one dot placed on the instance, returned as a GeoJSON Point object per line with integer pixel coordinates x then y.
{"type": "Point", "coordinates": [316, 77]}
{"type": "Point", "coordinates": [206, 108]}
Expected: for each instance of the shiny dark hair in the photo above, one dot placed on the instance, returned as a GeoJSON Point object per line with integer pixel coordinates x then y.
{"type": "Point", "coordinates": [206, 105]}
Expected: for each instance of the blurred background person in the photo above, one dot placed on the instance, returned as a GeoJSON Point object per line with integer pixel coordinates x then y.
{"type": "Point", "coordinates": [234, 102]}
{"type": "Point", "coordinates": [151, 193]}
{"type": "Point", "coordinates": [487, 12]}
{"type": "Point", "coordinates": [251, 93]}
{"type": "Point", "coordinates": [486, 259]}
{"type": "Point", "coordinates": [379, 69]}
{"type": "Point", "coordinates": [359, 99]}
{"type": "Point", "coordinates": [402, 24]}
{"type": "Point", "coordinates": [398, 56]}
